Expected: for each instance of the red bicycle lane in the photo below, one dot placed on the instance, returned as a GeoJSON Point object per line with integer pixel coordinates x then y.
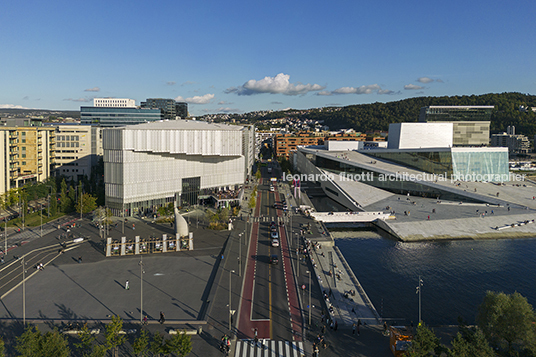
{"type": "Point", "coordinates": [247, 325]}
{"type": "Point", "coordinates": [292, 294]}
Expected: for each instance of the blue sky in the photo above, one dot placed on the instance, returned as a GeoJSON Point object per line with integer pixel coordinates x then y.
{"type": "Point", "coordinates": [239, 56]}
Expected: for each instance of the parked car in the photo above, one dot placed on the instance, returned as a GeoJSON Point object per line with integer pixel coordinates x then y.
{"type": "Point", "coordinates": [275, 242]}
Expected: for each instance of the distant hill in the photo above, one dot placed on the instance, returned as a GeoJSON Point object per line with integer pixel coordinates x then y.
{"type": "Point", "coordinates": [37, 113]}
{"type": "Point", "coordinates": [378, 116]}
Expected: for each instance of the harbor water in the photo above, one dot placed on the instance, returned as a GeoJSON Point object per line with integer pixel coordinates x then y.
{"type": "Point", "coordinates": [456, 274]}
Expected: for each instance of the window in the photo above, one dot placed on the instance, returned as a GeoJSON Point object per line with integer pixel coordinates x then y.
{"type": "Point", "coordinates": [24, 163]}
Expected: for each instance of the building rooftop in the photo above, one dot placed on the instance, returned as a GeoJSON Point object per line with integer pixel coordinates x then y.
{"type": "Point", "coordinates": [181, 125]}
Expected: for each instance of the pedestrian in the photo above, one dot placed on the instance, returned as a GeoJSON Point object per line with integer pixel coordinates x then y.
{"type": "Point", "coordinates": [79, 259]}
{"type": "Point", "coordinates": [354, 326]}
{"type": "Point", "coordinates": [127, 286]}
{"type": "Point", "coordinates": [162, 317]}
{"type": "Point", "coordinates": [133, 226]}
{"type": "Point", "coordinates": [428, 217]}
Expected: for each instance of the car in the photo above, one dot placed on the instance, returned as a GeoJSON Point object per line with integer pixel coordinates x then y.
{"type": "Point", "coordinates": [272, 188]}
{"type": "Point", "coordinates": [275, 242]}
{"type": "Point", "coordinates": [285, 207]}
{"type": "Point", "coordinates": [272, 224]}
{"type": "Point", "coordinates": [274, 235]}
{"type": "Point", "coordinates": [274, 259]}
{"type": "Point", "coordinates": [273, 229]}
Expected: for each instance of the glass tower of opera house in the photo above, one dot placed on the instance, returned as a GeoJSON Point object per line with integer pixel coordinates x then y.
{"type": "Point", "coordinates": [433, 158]}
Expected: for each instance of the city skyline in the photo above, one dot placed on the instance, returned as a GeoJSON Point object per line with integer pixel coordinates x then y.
{"type": "Point", "coordinates": [237, 57]}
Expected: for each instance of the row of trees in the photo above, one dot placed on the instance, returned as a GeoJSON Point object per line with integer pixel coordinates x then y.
{"type": "Point", "coordinates": [55, 344]}
{"type": "Point", "coordinates": [67, 200]}
{"type": "Point", "coordinates": [506, 326]}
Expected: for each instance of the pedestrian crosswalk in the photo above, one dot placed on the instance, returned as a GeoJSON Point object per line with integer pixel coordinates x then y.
{"type": "Point", "coordinates": [268, 219]}
{"type": "Point", "coordinates": [269, 348]}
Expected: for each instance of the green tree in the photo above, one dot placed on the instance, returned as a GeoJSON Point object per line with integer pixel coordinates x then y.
{"type": "Point", "coordinates": [157, 344]}
{"type": "Point", "coordinates": [2, 348]}
{"type": "Point", "coordinates": [224, 215]}
{"type": "Point", "coordinates": [113, 337]}
{"type": "Point", "coordinates": [54, 344]}
{"type": "Point", "coordinates": [180, 344]}
{"type": "Point", "coordinates": [53, 200]}
{"type": "Point", "coordinates": [141, 344]}
{"type": "Point", "coordinates": [85, 346]}
{"type": "Point", "coordinates": [507, 321]}
{"type": "Point", "coordinates": [31, 343]}
{"type": "Point", "coordinates": [424, 342]}
{"type": "Point", "coordinates": [258, 174]}
{"type": "Point", "coordinates": [88, 202]}
{"type": "Point", "coordinates": [252, 202]}
{"type": "Point", "coordinates": [28, 343]}
{"type": "Point", "coordinates": [470, 343]}
{"type": "Point", "coordinates": [65, 201]}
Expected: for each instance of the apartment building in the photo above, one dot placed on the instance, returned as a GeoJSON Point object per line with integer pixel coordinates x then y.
{"type": "Point", "coordinates": [28, 155]}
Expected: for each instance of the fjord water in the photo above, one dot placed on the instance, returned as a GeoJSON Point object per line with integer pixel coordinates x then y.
{"type": "Point", "coordinates": [456, 274]}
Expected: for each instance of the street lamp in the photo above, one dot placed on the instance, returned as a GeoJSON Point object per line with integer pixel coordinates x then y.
{"type": "Point", "coordinates": [142, 271]}
{"type": "Point", "coordinates": [419, 288]}
{"type": "Point", "coordinates": [230, 313]}
{"type": "Point", "coordinates": [240, 255]}
{"type": "Point", "coordinates": [41, 216]}
{"type": "Point", "coordinates": [309, 273]}
{"type": "Point", "coordinates": [23, 291]}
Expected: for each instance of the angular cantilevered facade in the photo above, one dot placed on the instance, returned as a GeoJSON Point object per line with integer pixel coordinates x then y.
{"type": "Point", "coordinates": [149, 165]}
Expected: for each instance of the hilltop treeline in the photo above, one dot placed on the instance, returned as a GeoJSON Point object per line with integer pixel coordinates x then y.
{"type": "Point", "coordinates": [378, 116]}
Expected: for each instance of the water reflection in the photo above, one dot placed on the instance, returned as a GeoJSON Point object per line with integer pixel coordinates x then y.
{"type": "Point", "coordinates": [456, 274]}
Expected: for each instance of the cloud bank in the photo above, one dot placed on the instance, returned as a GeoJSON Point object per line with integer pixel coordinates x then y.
{"type": "Point", "coordinates": [412, 87]}
{"type": "Point", "coordinates": [279, 84]}
{"type": "Point", "coordinates": [368, 89]}
{"type": "Point", "coordinates": [204, 99]}
{"type": "Point", "coordinates": [12, 106]}
{"type": "Point", "coordinates": [94, 89]}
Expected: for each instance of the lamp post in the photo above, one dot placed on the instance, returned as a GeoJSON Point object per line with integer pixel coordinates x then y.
{"type": "Point", "coordinates": [5, 234]}
{"type": "Point", "coordinates": [142, 271]}
{"type": "Point", "coordinates": [240, 255]}
{"type": "Point", "coordinates": [23, 292]}
{"type": "Point", "coordinates": [419, 288]}
{"type": "Point", "coordinates": [41, 216]}
{"type": "Point", "coordinates": [308, 272]}
{"type": "Point", "coordinates": [230, 313]}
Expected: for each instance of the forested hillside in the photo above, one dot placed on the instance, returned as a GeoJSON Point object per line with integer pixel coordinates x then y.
{"type": "Point", "coordinates": [378, 116]}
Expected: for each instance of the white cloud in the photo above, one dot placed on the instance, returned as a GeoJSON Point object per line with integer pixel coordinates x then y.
{"type": "Point", "coordinates": [85, 100]}
{"type": "Point", "coordinates": [425, 80]}
{"type": "Point", "coordinates": [412, 87]}
{"type": "Point", "coordinates": [324, 92]}
{"type": "Point", "coordinates": [204, 99]}
{"type": "Point", "coordinates": [223, 102]}
{"type": "Point", "coordinates": [171, 83]}
{"type": "Point", "coordinates": [12, 106]}
{"type": "Point", "coordinates": [354, 90]}
{"type": "Point", "coordinates": [227, 110]}
{"type": "Point", "coordinates": [279, 84]}
{"type": "Point", "coordinates": [94, 89]}
{"type": "Point", "coordinates": [439, 80]}
{"type": "Point", "coordinates": [387, 91]}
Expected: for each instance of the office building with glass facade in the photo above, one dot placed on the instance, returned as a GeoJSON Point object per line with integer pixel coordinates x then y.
{"type": "Point", "coordinates": [108, 116]}
{"type": "Point", "coordinates": [170, 108]}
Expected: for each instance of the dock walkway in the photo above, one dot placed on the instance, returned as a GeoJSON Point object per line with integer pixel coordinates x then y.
{"type": "Point", "coordinates": [348, 307]}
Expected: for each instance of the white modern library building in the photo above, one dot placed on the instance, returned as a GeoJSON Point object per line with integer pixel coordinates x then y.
{"type": "Point", "coordinates": [149, 165]}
